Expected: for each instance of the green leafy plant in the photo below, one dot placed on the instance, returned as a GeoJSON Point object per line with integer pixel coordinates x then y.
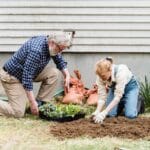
{"type": "Point", "coordinates": [57, 111]}
{"type": "Point", "coordinates": [61, 110]}
{"type": "Point", "coordinates": [145, 93]}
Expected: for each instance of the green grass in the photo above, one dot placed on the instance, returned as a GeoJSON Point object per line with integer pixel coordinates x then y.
{"type": "Point", "coordinates": [30, 133]}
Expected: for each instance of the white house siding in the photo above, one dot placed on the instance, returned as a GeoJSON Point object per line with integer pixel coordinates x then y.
{"type": "Point", "coordinates": [116, 28]}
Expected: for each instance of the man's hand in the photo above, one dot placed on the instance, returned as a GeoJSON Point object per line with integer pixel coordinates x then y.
{"type": "Point", "coordinates": [33, 103]}
{"type": "Point", "coordinates": [99, 117]}
{"type": "Point", "coordinates": [34, 108]}
{"type": "Point", "coordinates": [67, 79]}
{"type": "Point", "coordinates": [67, 83]}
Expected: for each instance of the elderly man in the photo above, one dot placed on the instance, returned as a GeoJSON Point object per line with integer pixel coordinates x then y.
{"type": "Point", "coordinates": [28, 65]}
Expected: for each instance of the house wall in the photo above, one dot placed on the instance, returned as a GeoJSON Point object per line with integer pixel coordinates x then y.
{"type": "Point", "coordinates": [116, 28]}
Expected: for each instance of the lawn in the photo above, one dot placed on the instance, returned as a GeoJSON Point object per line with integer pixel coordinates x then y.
{"type": "Point", "coordinates": [31, 133]}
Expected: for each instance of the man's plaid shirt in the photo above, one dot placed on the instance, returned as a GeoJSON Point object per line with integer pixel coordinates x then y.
{"type": "Point", "coordinates": [31, 59]}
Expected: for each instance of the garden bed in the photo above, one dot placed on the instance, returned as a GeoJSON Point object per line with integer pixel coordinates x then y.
{"type": "Point", "coordinates": [112, 127]}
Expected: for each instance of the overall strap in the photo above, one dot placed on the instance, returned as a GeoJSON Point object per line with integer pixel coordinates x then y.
{"type": "Point", "coordinates": [116, 67]}
{"type": "Point", "coordinates": [116, 70]}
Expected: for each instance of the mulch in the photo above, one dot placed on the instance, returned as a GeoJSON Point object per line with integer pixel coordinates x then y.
{"type": "Point", "coordinates": [112, 127]}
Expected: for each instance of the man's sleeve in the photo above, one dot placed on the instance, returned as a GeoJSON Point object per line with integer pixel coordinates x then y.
{"type": "Point", "coordinates": [29, 69]}
{"type": "Point", "coordinates": [59, 61]}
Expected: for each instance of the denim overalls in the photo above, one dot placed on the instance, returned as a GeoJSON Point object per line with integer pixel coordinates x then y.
{"type": "Point", "coordinates": [128, 101]}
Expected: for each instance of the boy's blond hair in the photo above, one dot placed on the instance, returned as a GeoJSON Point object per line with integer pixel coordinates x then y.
{"type": "Point", "coordinates": [103, 66]}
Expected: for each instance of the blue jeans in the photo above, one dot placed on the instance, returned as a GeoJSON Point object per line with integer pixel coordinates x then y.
{"type": "Point", "coordinates": [128, 101]}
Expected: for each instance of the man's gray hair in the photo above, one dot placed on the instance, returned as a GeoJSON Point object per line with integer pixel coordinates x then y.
{"type": "Point", "coordinates": [62, 38]}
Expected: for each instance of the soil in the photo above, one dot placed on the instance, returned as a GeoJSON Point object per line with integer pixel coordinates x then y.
{"type": "Point", "coordinates": [112, 127]}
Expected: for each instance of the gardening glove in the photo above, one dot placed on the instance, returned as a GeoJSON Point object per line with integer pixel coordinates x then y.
{"type": "Point", "coordinates": [99, 118]}
{"type": "Point", "coordinates": [95, 112]}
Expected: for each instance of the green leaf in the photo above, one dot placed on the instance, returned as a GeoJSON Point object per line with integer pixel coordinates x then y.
{"type": "Point", "coordinates": [145, 91]}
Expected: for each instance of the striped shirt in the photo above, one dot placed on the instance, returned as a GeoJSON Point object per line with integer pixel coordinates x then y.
{"type": "Point", "coordinates": [30, 60]}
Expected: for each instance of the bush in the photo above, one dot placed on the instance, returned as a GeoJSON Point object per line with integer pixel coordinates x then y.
{"type": "Point", "coordinates": [145, 93]}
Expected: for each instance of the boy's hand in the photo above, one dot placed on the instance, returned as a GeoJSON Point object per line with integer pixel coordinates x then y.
{"type": "Point", "coordinates": [99, 118]}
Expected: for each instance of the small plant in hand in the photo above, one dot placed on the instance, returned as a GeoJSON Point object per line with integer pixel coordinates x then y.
{"type": "Point", "coordinates": [145, 93]}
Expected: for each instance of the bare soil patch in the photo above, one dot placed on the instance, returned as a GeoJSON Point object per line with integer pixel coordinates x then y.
{"type": "Point", "coordinates": [112, 127]}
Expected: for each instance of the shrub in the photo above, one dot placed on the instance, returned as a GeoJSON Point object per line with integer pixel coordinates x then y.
{"type": "Point", "coordinates": [145, 92]}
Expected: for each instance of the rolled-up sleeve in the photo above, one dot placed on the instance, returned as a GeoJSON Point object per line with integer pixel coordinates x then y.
{"type": "Point", "coordinates": [29, 69]}
{"type": "Point", "coordinates": [59, 61]}
{"type": "Point", "coordinates": [102, 94]}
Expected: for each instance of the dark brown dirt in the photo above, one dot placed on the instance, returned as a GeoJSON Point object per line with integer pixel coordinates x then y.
{"type": "Point", "coordinates": [112, 127]}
